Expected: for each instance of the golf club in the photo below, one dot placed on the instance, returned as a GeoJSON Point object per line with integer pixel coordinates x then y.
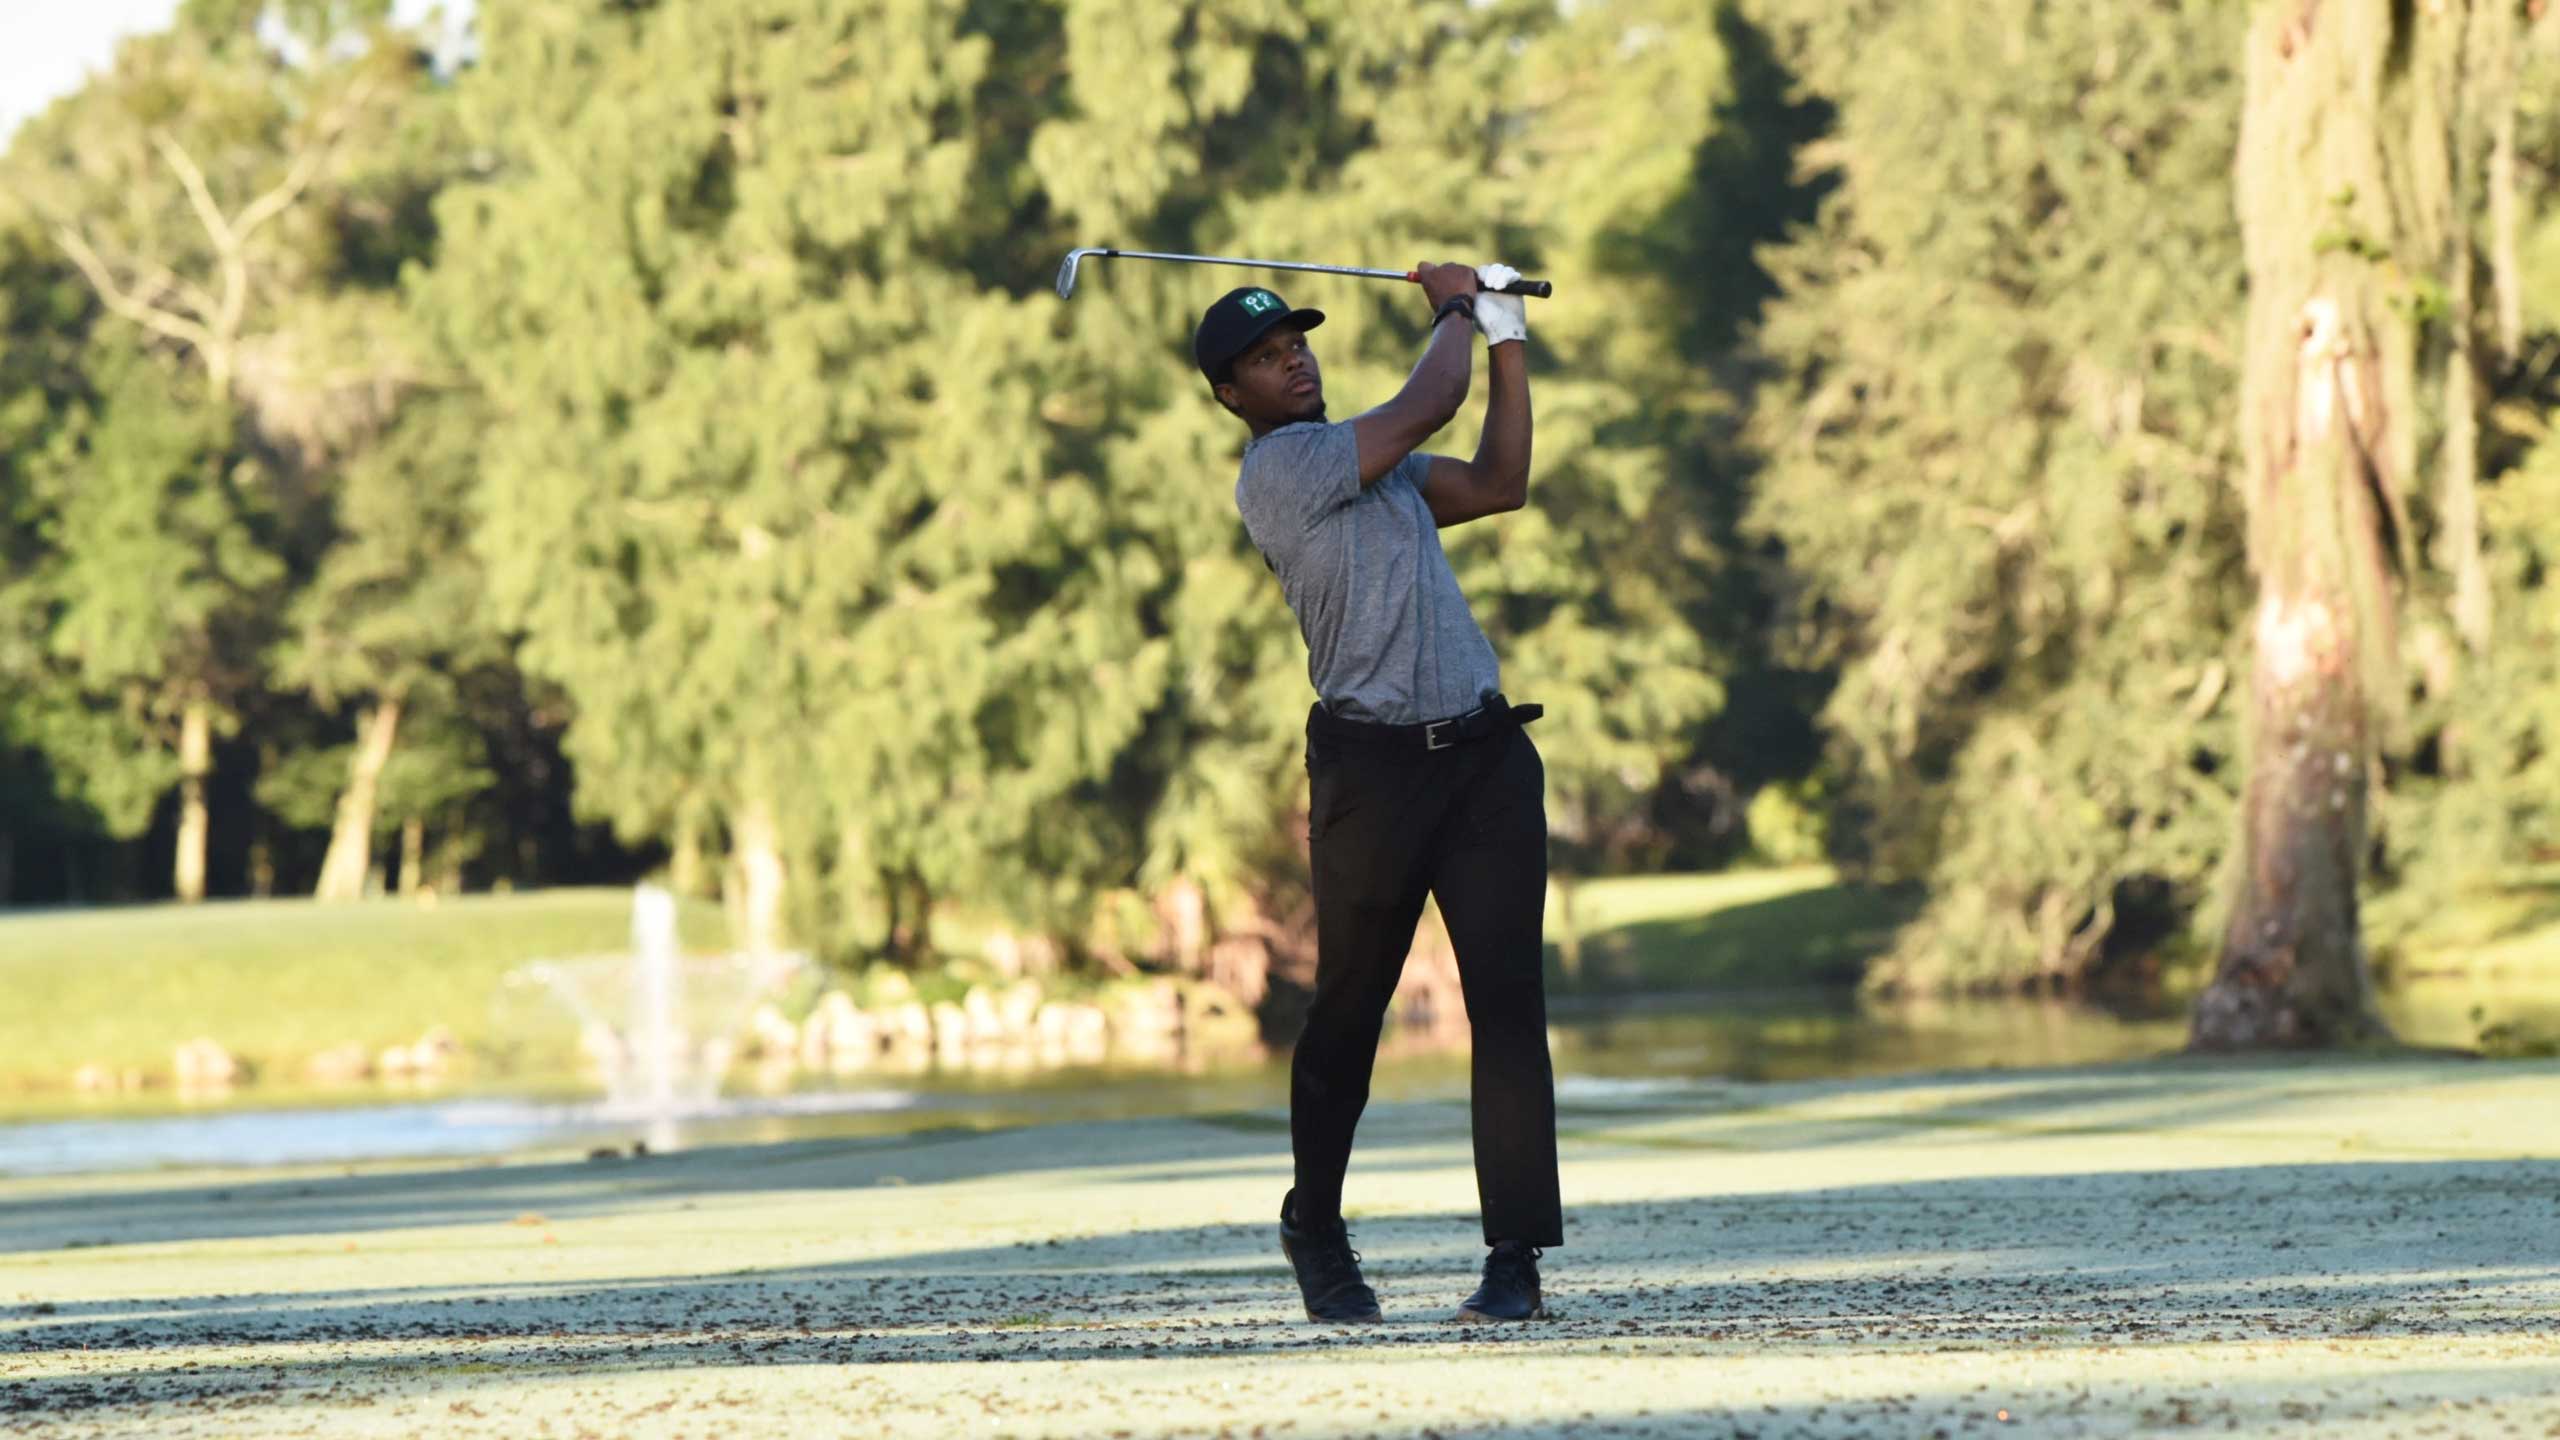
{"type": "Point", "coordinates": [1067, 272]}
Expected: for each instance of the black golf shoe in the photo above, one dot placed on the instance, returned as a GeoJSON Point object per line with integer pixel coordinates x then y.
{"type": "Point", "coordinates": [1328, 1271]}
{"type": "Point", "coordinates": [1510, 1288]}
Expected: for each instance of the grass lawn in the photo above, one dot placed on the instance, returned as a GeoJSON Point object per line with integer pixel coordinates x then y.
{"type": "Point", "coordinates": [278, 981]}
{"type": "Point", "coordinates": [2508, 926]}
{"type": "Point", "coordinates": [1735, 930]}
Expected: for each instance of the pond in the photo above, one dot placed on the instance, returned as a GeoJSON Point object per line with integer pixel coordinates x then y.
{"type": "Point", "coordinates": [1599, 1047]}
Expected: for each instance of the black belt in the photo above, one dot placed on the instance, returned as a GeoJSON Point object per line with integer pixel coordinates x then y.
{"type": "Point", "coordinates": [1493, 717]}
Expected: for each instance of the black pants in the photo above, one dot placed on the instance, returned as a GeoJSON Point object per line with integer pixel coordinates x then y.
{"type": "Point", "coordinates": [1389, 824]}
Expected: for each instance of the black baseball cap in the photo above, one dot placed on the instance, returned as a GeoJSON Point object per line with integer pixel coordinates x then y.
{"type": "Point", "coordinates": [1243, 315]}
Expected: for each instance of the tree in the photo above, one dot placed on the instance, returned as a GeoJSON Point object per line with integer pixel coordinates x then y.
{"type": "Point", "coordinates": [800, 470]}
{"type": "Point", "coordinates": [63, 778]}
{"type": "Point", "coordinates": [766, 489]}
{"type": "Point", "coordinates": [1994, 431]}
{"type": "Point", "coordinates": [181, 186]}
{"type": "Point", "coordinates": [394, 614]}
{"type": "Point", "coordinates": [390, 618]}
{"type": "Point", "coordinates": [2371, 206]}
{"type": "Point", "coordinates": [158, 580]}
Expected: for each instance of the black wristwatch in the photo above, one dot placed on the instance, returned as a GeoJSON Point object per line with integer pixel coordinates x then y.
{"type": "Point", "coordinates": [1455, 304]}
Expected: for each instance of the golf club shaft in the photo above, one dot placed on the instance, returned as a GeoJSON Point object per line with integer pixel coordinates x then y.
{"type": "Point", "coordinates": [1538, 288]}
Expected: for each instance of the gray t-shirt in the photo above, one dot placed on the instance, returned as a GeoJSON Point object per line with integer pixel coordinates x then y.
{"type": "Point", "coordinates": [1389, 636]}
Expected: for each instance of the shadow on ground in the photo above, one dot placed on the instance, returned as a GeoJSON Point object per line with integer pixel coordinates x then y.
{"type": "Point", "coordinates": [2173, 1257]}
{"type": "Point", "coordinates": [1821, 937]}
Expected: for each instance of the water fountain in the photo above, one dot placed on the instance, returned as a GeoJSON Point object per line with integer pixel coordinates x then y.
{"type": "Point", "coordinates": [661, 1024]}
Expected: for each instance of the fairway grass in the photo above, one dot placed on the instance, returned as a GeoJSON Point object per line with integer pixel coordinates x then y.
{"type": "Point", "coordinates": [2355, 1249]}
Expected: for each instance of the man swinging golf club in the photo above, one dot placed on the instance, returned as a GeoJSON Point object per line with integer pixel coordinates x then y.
{"type": "Point", "coordinates": [1423, 781]}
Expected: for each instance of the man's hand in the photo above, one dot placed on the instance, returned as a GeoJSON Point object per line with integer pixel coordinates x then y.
{"type": "Point", "coordinates": [1439, 282]}
{"type": "Point", "coordinates": [1500, 317]}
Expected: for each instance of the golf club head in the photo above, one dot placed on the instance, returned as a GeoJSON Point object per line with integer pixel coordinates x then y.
{"type": "Point", "coordinates": [1067, 270]}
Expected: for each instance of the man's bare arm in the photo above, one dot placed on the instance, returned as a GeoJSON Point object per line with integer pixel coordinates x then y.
{"type": "Point", "coordinates": [1497, 480]}
{"type": "Point", "coordinates": [1435, 390]}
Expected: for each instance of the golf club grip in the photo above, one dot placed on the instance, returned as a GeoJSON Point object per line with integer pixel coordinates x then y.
{"type": "Point", "coordinates": [1534, 289]}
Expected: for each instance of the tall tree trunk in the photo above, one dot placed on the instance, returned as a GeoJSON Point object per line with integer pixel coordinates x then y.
{"type": "Point", "coordinates": [350, 859]}
{"type": "Point", "coordinates": [262, 852]}
{"type": "Point", "coordinates": [2293, 967]}
{"type": "Point", "coordinates": [2506, 270]}
{"type": "Point", "coordinates": [195, 764]}
{"type": "Point", "coordinates": [2322, 471]}
{"type": "Point", "coordinates": [449, 856]}
{"type": "Point", "coordinates": [2478, 55]}
{"type": "Point", "coordinates": [684, 858]}
{"type": "Point", "coordinates": [893, 928]}
{"type": "Point", "coordinates": [756, 864]}
{"type": "Point", "coordinates": [413, 856]}
{"type": "Point", "coordinates": [910, 916]}
{"type": "Point", "coordinates": [920, 901]}
{"type": "Point", "coordinates": [2375, 180]}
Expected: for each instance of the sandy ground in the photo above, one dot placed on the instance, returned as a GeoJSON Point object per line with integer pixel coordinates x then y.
{"type": "Point", "coordinates": [2340, 1249]}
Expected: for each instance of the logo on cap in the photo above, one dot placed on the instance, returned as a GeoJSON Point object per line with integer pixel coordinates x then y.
{"type": "Point", "coordinates": [1257, 301]}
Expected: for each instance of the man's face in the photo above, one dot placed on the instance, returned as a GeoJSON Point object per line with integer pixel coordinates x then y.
{"type": "Point", "coordinates": [1275, 382]}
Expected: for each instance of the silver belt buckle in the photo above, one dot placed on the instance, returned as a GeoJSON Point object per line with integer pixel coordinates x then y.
{"type": "Point", "coordinates": [1431, 733]}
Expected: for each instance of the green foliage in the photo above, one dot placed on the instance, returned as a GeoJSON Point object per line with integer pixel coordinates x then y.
{"type": "Point", "coordinates": [1787, 823]}
{"type": "Point", "coordinates": [800, 472]}
{"type": "Point", "coordinates": [440, 766]}
{"type": "Point", "coordinates": [1322, 131]}
{"type": "Point", "coordinates": [158, 539]}
{"type": "Point", "coordinates": [45, 313]}
{"type": "Point", "coordinates": [202, 189]}
{"type": "Point", "coordinates": [157, 582]}
{"type": "Point", "coordinates": [682, 382]}
{"type": "Point", "coordinates": [2480, 794]}
{"type": "Point", "coordinates": [767, 491]}
{"type": "Point", "coordinates": [1998, 439]}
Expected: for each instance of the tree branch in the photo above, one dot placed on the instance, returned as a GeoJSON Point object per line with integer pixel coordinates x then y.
{"type": "Point", "coordinates": [217, 228]}
{"type": "Point", "coordinates": [124, 303]}
{"type": "Point", "coordinates": [158, 279]}
{"type": "Point", "coordinates": [273, 203]}
{"type": "Point", "coordinates": [225, 320]}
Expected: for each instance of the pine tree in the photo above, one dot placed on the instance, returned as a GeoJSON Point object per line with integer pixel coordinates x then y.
{"type": "Point", "coordinates": [157, 581]}
{"type": "Point", "coordinates": [767, 489]}
{"type": "Point", "coordinates": [65, 772]}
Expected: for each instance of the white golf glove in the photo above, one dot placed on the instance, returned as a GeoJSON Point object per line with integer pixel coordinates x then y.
{"type": "Point", "coordinates": [1500, 317]}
